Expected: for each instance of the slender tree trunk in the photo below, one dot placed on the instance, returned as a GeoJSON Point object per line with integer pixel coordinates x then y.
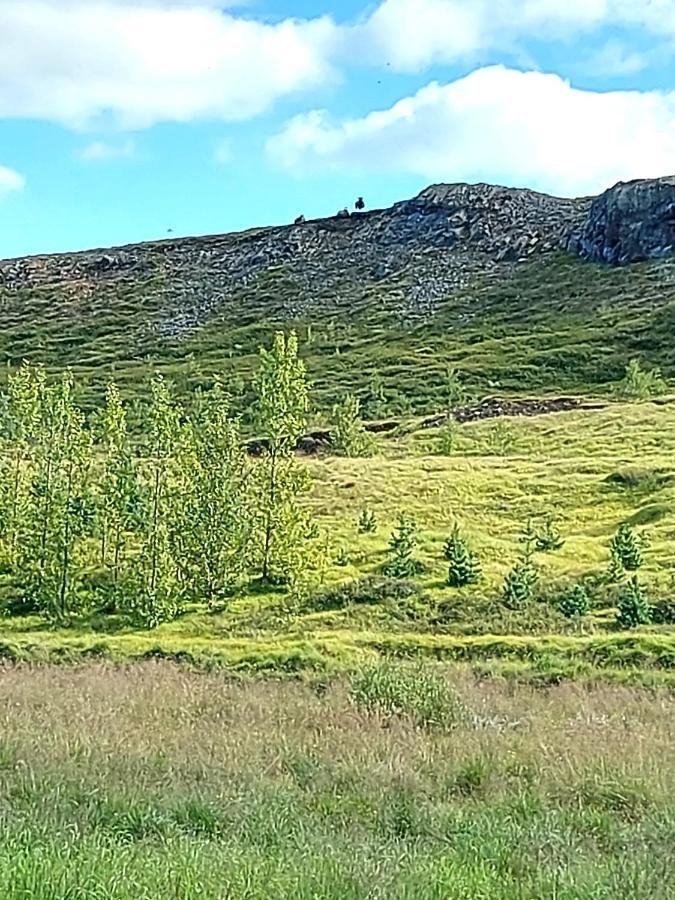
{"type": "Point", "coordinates": [155, 520]}
{"type": "Point", "coordinates": [270, 508]}
{"type": "Point", "coordinates": [65, 561]}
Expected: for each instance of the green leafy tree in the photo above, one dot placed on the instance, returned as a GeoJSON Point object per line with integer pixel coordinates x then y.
{"type": "Point", "coordinates": [640, 384]}
{"type": "Point", "coordinates": [402, 562]}
{"type": "Point", "coordinates": [349, 437]}
{"type": "Point", "coordinates": [21, 414]}
{"type": "Point", "coordinates": [61, 511]}
{"type": "Point", "coordinates": [282, 525]}
{"type": "Point", "coordinates": [118, 494]}
{"type": "Point", "coordinates": [633, 608]}
{"type": "Point", "coordinates": [575, 603]}
{"type": "Point", "coordinates": [626, 549]}
{"type": "Point", "coordinates": [464, 568]}
{"type": "Point", "coordinates": [214, 515]}
{"type": "Point", "coordinates": [155, 597]}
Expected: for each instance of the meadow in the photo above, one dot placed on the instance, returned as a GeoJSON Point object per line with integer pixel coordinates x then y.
{"type": "Point", "coordinates": [593, 468]}
{"type": "Point", "coordinates": [135, 783]}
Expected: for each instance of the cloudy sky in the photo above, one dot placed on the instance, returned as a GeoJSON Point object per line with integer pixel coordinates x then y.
{"type": "Point", "coordinates": [125, 120]}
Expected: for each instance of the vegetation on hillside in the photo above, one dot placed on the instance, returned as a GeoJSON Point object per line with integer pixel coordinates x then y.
{"type": "Point", "coordinates": [553, 324]}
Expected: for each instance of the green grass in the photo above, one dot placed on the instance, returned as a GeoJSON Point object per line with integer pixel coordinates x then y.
{"type": "Point", "coordinates": [594, 469]}
{"type": "Point", "coordinates": [554, 324]}
{"type": "Point", "coordinates": [149, 783]}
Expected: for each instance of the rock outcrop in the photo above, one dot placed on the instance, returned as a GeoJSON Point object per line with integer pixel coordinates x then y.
{"type": "Point", "coordinates": [421, 251]}
{"type": "Point", "coordinates": [628, 223]}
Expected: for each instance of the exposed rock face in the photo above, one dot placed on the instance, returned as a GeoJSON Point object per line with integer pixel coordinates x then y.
{"type": "Point", "coordinates": [422, 251]}
{"type": "Point", "coordinates": [629, 222]}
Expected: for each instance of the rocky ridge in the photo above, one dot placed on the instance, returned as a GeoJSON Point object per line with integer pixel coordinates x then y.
{"type": "Point", "coordinates": [424, 249]}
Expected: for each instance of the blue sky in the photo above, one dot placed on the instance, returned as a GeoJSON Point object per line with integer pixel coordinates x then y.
{"type": "Point", "coordinates": [127, 120]}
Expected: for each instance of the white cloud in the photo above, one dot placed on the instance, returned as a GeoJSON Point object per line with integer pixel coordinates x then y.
{"type": "Point", "coordinates": [139, 63]}
{"type": "Point", "coordinates": [497, 125]}
{"type": "Point", "coordinates": [102, 151]}
{"type": "Point", "coordinates": [413, 34]}
{"type": "Point", "coordinates": [10, 181]}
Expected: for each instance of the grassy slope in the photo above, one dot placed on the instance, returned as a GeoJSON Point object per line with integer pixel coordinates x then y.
{"type": "Point", "coordinates": [557, 325]}
{"type": "Point", "coordinates": [152, 782]}
{"type": "Point", "coordinates": [558, 462]}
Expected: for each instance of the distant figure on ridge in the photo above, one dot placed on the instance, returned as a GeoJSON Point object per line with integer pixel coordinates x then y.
{"type": "Point", "coordinates": [300, 220]}
{"type": "Point", "coordinates": [360, 204]}
{"type": "Point", "coordinates": [343, 214]}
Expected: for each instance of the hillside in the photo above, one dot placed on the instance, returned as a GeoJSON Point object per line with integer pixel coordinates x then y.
{"type": "Point", "coordinates": [518, 289]}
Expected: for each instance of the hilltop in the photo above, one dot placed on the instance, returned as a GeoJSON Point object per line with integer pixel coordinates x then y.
{"type": "Point", "coordinates": [518, 288]}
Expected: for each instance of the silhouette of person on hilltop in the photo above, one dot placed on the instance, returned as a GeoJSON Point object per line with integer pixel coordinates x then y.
{"type": "Point", "coordinates": [360, 204]}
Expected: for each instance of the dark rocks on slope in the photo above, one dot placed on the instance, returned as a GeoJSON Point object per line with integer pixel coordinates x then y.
{"type": "Point", "coordinates": [421, 251]}
{"type": "Point", "coordinates": [629, 222]}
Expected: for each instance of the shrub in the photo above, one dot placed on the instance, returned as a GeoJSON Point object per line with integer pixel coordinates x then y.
{"type": "Point", "coordinates": [575, 602]}
{"type": "Point", "coordinates": [626, 550]}
{"type": "Point", "coordinates": [342, 558]}
{"type": "Point", "coordinates": [415, 692]}
{"type": "Point", "coordinates": [548, 537]}
{"type": "Point", "coordinates": [364, 590]}
{"type": "Point", "coordinates": [349, 437]}
{"type": "Point", "coordinates": [634, 608]}
{"type": "Point", "coordinates": [402, 544]}
{"type": "Point", "coordinates": [367, 523]}
{"type": "Point", "coordinates": [464, 566]}
{"type": "Point", "coordinates": [640, 384]}
{"type": "Point", "coordinates": [520, 583]}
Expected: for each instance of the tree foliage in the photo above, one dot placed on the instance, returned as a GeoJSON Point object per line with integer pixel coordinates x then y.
{"type": "Point", "coordinates": [464, 568]}
{"type": "Point", "coordinates": [402, 562]}
{"type": "Point", "coordinates": [92, 517]}
{"type": "Point", "coordinates": [640, 384]}
{"type": "Point", "coordinates": [349, 437]}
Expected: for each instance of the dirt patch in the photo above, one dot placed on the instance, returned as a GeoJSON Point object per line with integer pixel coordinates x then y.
{"type": "Point", "coordinates": [493, 407]}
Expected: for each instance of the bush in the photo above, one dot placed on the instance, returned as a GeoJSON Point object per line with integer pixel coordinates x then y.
{"type": "Point", "coordinates": [402, 690]}
{"type": "Point", "coordinates": [640, 384]}
{"type": "Point", "coordinates": [363, 590]}
{"type": "Point", "coordinates": [402, 544]}
{"type": "Point", "coordinates": [464, 566]}
{"type": "Point", "coordinates": [548, 537]}
{"type": "Point", "coordinates": [575, 602]}
{"type": "Point", "coordinates": [349, 438]}
{"type": "Point", "coordinates": [626, 550]}
{"type": "Point", "coordinates": [634, 608]}
{"type": "Point", "coordinates": [367, 523]}
{"type": "Point", "coordinates": [520, 583]}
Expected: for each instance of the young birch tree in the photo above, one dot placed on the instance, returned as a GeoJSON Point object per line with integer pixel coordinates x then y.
{"type": "Point", "coordinates": [60, 510]}
{"type": "Point", "coordinates": [283, 526]}
{"type": "Point", "coordinates": [118, 493]}
{"type": "Point", "coordinates": [214, 522]}
{"type": "Point", "coordinates": [155, 595]}
{"type": "Point", "coordinates": [20, 418]}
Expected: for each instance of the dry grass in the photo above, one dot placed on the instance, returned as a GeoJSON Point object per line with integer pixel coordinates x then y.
{"type": "Point", "coordinates": [152, 781]}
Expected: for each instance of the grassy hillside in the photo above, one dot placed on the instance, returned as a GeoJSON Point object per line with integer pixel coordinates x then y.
{"type": "Point", "coordinates": [551, 324]}
{"type": "Point", "coordinates": [592, 469]}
